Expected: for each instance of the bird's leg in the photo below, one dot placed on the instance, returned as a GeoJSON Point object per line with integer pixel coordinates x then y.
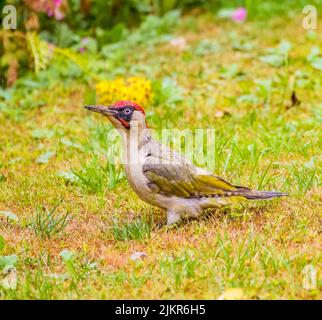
{"type": "Point", "coordinates": [172, 217]}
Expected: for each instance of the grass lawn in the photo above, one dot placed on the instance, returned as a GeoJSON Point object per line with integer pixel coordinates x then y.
{"type": "Point", "coordinates": [69, 221]}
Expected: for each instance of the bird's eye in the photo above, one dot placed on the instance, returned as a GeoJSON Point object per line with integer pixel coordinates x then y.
{"type": "Point", "coordinates": [127, 111]}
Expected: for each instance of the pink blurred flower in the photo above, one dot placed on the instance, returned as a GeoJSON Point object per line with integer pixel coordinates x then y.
{"type": "Point", "coordinates": [239, 14]}
{"type": "Point", "coordinates": [59, 15]}
{"type": "Point", "coordinates": [85, 41]}
{"type": "Point", "coordinates": [179, 43]}
{"type": "Point", "coordinates": [57, 3]}
{"type": "Point", "coordinates": [54, 9]}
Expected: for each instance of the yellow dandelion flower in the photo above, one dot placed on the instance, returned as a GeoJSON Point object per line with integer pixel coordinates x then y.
{"type": "Point", "coordinates": [137, 89]}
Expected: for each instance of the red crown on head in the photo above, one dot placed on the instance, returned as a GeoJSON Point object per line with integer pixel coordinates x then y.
{"type": "Point", "coordinates": [126, 103]}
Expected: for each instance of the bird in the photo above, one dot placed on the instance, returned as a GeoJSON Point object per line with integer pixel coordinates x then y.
{"type": "Point", "coordinates": [163, 177]}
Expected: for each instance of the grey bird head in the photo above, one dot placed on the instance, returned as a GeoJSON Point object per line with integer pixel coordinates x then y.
{"type": "Point", "coordinates": [120, 113]}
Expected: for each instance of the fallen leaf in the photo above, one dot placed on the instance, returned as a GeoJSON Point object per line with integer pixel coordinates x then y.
{"type": "Point", "coordinates": [58, 276]}
{"type": "Point", "coordinates": [138, 255]}
{"type": "Point", "coordinates": [12, 73]}
{"type": "Point", "coordinates": [220, 114]}
{"type": "Point", "coordinates": [9, 215]}
{"type": "Point", "coordinates": [115, 261]}
{"type": "Point", "coordinates": [10, 280]}
{"type": "Point", "coordinates": [44, 158]}
{"type": "Point", "coordinates": [294, 100]}
{"type": "Point", "coordinates": [232, 294]}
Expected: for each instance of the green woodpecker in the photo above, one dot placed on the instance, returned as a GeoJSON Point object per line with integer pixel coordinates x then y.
{"type": "Point", "coordinates": [164, 178]}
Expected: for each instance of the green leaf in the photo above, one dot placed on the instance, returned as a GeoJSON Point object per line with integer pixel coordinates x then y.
{"type": "Point", "coordinates": [314, 53]}
{"type": "Point", "coordinates": [207, 46]}
{"type": "Point", "coordinates": [311, 35]}
{"type": "Point", "coordinates": [317, 63]}
{"type": "Point", "coordinates": [2, 177]}
{"type": "Point", "coordinates": [277, 57]}
{"type": "Point", "coordinates": [6, 94]}
{"type": "Point", "coordinates": [69, 143]}
{"type": "Point", "coordinates": [242, 46]}
{"type": "Point", "coordinates": [273, 59]}
{"type": "Point", "coordinates": [9, 215]}
{"type": "Point", "coordinates": [168, 91]}
{"type": "Point", "coordinates": [42, 133]}
{"type": "Point", "coordinates": [68, 176]}
{"type": "Point", "coordinates": [230, 72]}
{"type": "Point", "coordinates": [1, 242]}
{"type": "Point", "coordinates": [89, 97]}
{"type": "Point", "coordinates": [284, 47]}
{"type": "Point", "coordinates": [8, 262]}
{"type": "Point", "coordinates": [225, 13]}
{"type": "Point", "coordinates": [248, 98]}
{"type": "Point", "coordinates": [44, 158]}
{"type": "Point", "coordinates": [39, 50]}
{"type": "Point", "coordinates": [67, 255]}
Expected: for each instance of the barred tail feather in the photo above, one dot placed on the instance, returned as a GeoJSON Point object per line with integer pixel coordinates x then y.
{"type": "Point", "coordinates": [254, 194]}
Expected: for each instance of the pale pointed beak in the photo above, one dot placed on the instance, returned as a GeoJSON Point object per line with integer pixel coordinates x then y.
{"type": "Point", "coordinates": [106, 110]}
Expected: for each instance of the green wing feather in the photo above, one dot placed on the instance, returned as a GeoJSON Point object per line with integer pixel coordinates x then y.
{"type": "Point", "coordinates": [182, 181]}
{"type": "Point", "coordinates": [170, 174]}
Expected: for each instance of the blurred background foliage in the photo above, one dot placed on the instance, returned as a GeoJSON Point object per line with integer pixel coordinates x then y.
{"type": "Point", "coordinates": [60, 31]}
{"type": "Point", "coordinates": [245, 68]}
